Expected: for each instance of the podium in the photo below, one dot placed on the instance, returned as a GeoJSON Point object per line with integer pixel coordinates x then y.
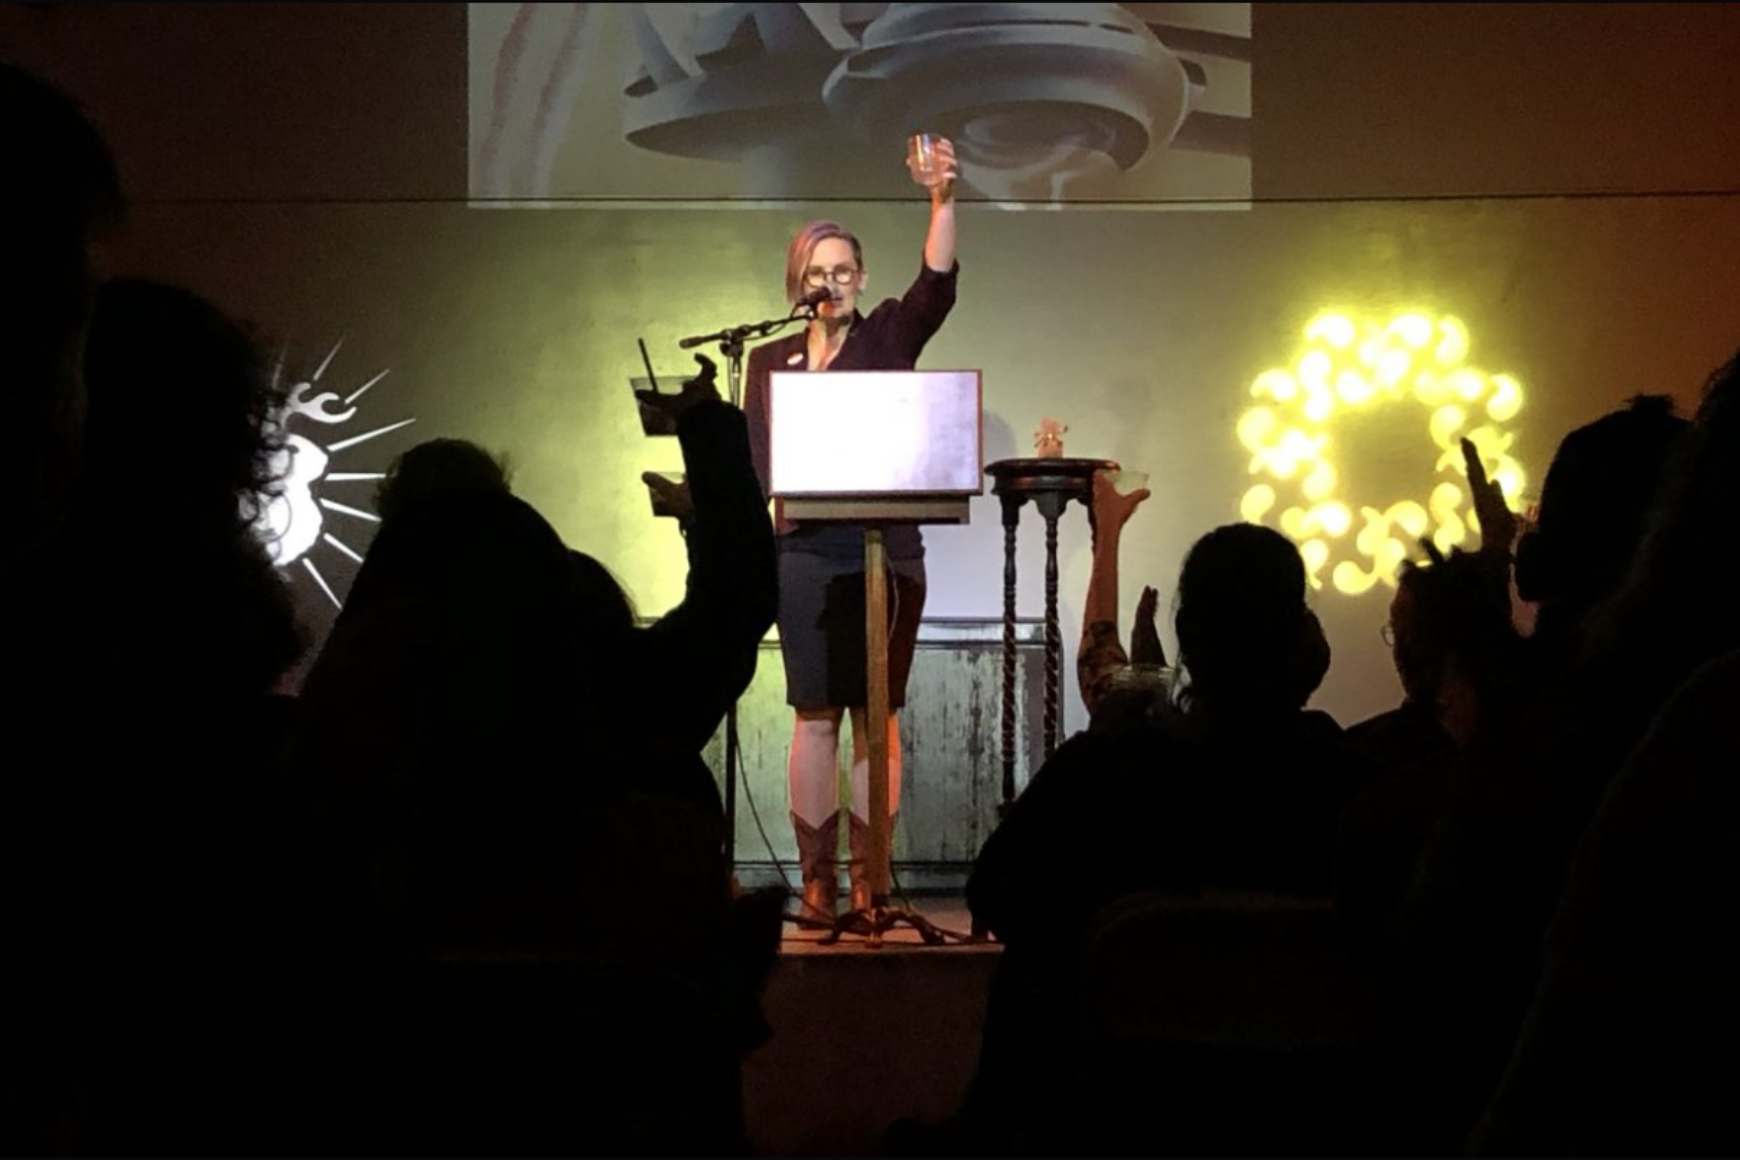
{"type": "Point", "coordinates": [876, 448]}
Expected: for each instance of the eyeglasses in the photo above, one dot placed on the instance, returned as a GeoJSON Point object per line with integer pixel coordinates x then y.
{"type": "Point", "coordinates": [1388, 635]}
{"type": "Point", "coordinates": [839, 275]}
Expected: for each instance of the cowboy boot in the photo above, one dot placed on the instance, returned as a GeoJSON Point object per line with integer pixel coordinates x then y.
{"type": "Point", "coordinates": [858, 869]}
{"type": "Point", "coordinates": [818, 851]}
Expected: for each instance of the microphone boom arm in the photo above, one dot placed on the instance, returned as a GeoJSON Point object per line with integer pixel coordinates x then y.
{"type": "Point", "coordinates": [736, 335]}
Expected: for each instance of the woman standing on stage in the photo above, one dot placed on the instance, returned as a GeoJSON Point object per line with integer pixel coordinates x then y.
{"type": "Point", "coordinates": [821, 566]}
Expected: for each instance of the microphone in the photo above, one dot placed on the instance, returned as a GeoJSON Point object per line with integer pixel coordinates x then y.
{"type": "Point", "coordinates": [816, 297]}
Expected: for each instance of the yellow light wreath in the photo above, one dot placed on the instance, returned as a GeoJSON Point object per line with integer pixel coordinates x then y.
{"type": "Point", "coordinates": [1347, 366]}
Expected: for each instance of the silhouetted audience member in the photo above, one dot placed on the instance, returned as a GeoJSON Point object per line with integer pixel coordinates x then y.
{"type": "Point", "coordinates": [1467, 941]}
{"type": "Point", "coordinates": [1461, 665]}
{"type": "Point", "coordinates": [488, 809]}
{"type": "Point", "coordinates": [701, 655]}
{"type": "Point", "coordinates": [1241, 792]}
{"type": "Point", "coordinates": [450, 696]}
{"type": "Point", "coordinates": [436, 468]}
{"type": "Point", "coordinates": [165, 839]}
{"type": "Point", "coordinates": [61, 192]}
{"type": "Point", "coordinates": [478, 617]}
{"type": "Point", "coordinates": [1232, 772]}
{"type": "Point", "coordinates": [1625, 1049]}
{"type": "Point", "coordinates": [1452, 639]}
{"type": "Point", "coordinates": [179, 462]}
{"type": "Point", "coordinates": [64, 193]}
{"type": "Point", "coordinates": [1119, 689]}
{"type": "Point", "coordinates": [1595, 507]}
{"type": "Point", "coordinates": [516, 773]}
{"type": "Point", "coordinates": [1412, 733]}
{"type": "Point", "coordinates": [1463, 675]}
{"type": "Point", "coordinates": [1671, 608]}
{"type": "Point", "coordinates": [430, 474]}
{"type": "Point", "coordinates": [1632, 997]}
{"type": "Point", "coordinates": [1463, 670]}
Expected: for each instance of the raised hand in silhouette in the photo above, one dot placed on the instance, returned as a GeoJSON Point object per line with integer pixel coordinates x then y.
{"type": "Point", "coordinates": [660, 412]}
{"type": "Point", "coordinates": [1145, 646]}
{"type": "Point", "coordinates": [1497, 521]}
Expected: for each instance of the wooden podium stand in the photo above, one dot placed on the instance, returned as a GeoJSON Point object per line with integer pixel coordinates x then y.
{"type": "Point", "coordinates": [876, 448]}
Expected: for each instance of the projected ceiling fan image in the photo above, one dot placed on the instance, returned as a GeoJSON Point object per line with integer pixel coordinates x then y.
{"type": "Point", "coordinates": [1041, 105]}
{"type": "Point", "coordinates": [293, 521]}
{"type": "Point", "coordinates": [1044, 102]}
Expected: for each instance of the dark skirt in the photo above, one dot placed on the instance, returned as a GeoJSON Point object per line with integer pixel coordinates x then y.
{"type": "Point", "coordinates": [821, 622]}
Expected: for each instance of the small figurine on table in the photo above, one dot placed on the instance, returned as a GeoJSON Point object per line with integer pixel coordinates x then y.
{"type": "Point", "coordinates": [1048, 440]}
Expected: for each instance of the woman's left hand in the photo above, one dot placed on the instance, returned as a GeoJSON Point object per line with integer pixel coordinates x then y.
{"type": "Point", "coordinates": [941, 182]}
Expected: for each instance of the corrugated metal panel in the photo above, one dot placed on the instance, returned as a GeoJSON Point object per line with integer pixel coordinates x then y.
{"type": "Point", "coordinates": [950, 734]}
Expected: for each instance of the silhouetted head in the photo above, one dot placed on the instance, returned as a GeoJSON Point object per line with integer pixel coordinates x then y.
{"type": "Point", "coordinates": [66, 186]}
{"type": "Point", "coordinates": [1450, 621]}
{"type": "Point", "coordinates": [1595, 506]}
{"type": "Point", "coordinates": [179, 407]}
{"type": "Point", "coordinates": [177, 458]}
{"type": "Point", "coordinates": [1417, 662]}
{"type": "Point", "coordinates": [60, 189]}
{"type": "Point", "coordinates": [1680, 602]}
{"type": "Point", "coordinates": [436, 469]}
{"type": "Point", "coordinates": [1245, 636]}
{"type": "Point", "coordinates": [1432, 604]}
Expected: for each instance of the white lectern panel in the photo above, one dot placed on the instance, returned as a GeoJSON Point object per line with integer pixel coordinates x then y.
{"type": "Point", "coordinates": [887, 433]}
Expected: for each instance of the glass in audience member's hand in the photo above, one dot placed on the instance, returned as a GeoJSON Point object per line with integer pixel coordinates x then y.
{"type": "Point", "coordinates": [653, 421]}
{"type": "Point", "coordinates": [661, 504]}
{"type": "Point", "coordinates": [922, 160]}
{"type": "Point", "coordinates": [1127, 482]}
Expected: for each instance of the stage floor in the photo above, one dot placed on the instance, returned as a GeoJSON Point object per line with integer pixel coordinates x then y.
{"type": "Point", "coordinates": [863, 1037]}
{"type": "Point", "coordinates": [948, 914]}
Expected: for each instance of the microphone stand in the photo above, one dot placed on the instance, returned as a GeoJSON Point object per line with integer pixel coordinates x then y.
{"type": "Point", "coordinates": [731, 344]}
